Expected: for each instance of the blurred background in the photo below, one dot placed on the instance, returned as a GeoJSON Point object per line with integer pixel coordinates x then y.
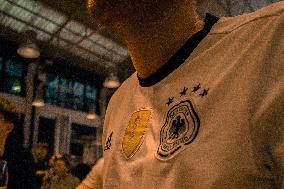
{"type": "Point", "coordinates": [61, 70]}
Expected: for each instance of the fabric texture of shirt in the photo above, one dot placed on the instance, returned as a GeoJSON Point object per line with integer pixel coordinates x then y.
{"type": "Point", "coordinates": [215, 121]}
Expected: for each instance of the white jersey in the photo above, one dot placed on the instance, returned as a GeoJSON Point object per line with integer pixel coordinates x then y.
{"type": "Point", "coordinates": [215, 121]}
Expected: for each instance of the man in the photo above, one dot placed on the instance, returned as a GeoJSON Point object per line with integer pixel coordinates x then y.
{"type": "Point", "coordinates": [62, 178]}
{"type": "Point", "coordinates": [205, 108]}
{"type": "Point", "coordinates": [6, 126]}
{"type": "Point", "coordinates": [41, 157]}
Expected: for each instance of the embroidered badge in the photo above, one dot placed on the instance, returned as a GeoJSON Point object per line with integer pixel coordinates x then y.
{"type": "Point", "coordinates": [196, 88]}
{"type": "Point", "coordinates": [205, 92]}
{"type": "Point", "coordinates": [180, 129]}
{"type": "Point", "coordinates": [108, 143]}
{"type": "Point", "coordinates": [134, 133]}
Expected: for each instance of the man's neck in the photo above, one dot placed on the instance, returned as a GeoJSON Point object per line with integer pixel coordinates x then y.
{"type": "Point", "coordinates": [151, 44]}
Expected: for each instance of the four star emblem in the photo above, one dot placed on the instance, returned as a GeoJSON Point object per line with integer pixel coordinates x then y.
{"type": "Point", "coordinates": [184, 93]}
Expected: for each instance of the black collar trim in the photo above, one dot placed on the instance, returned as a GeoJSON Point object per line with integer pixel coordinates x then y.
{"type": "Point", "coordinates": [181, 55]}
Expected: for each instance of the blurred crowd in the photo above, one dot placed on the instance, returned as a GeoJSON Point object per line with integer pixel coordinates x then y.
{"type": "Point", "coordinates": [21, 168]}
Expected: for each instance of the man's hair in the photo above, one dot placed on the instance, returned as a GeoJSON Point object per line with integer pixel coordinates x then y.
{"type": "Point", "coordinates": [63, 158]}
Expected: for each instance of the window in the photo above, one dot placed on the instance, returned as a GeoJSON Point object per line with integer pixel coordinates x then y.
{"type": "Point", "coordinates": [46, 132]}
{"type": "Point", "coordinates": [91, 94]}
{"type": "Point", "coordinates": [12, 76]}
{"type": "Point", "coordinates": [78, 96]}
{"type": "Point", "coordinates": [52, 90]}
{"type": "Point", "coordinates": [77, 149]}
{"type": "Point", "coordinates": [81, 136]}
{"type": "Point", "coordinates": [70, 94]}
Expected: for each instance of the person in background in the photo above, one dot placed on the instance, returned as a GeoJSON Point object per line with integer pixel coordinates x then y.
{"type": "Point", "coordinates": [41, 155]}
{"type": "Point", "coordinates": [7, 120]}
{"type": "Point", "coordinates": [61, 177]}
{"type": "Point", "coordinates": [21, 167]}
{"type": "Point", "coordinates": [205, 107]}
{"type": "Point", "coordinates": [94, 179]}
{"type": "Point", "coordinates": [7, 111]}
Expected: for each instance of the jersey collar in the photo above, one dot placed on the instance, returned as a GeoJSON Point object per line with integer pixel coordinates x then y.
{"type": "Point", "coordinates": [181, 55]}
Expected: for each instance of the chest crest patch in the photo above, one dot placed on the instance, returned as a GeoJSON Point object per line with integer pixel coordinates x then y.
{"type": "Point", "coordinates": [134, 133]}
{"type": "Point", "coordinates": [180, 129]}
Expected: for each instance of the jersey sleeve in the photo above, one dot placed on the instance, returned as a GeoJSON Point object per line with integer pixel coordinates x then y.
{"type": "Point", "coordinates": [269, 117]}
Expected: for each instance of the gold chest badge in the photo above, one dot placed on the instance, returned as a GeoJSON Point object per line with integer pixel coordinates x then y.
{"type": "Point", "coordinates": [134, 133]}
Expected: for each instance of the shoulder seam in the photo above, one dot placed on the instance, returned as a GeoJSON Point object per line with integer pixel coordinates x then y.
{"type": "Point", "coordinates": [229, 24]}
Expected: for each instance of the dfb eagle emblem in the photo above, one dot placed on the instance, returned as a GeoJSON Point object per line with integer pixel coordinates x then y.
{"type": "Point", "coordinates": [180, 129]}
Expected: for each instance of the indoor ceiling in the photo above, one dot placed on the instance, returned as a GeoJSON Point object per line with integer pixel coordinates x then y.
{"type": "Point", "coordinates": [64, 29]}
{"type": "Point", "coordinates": [64, 24]}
